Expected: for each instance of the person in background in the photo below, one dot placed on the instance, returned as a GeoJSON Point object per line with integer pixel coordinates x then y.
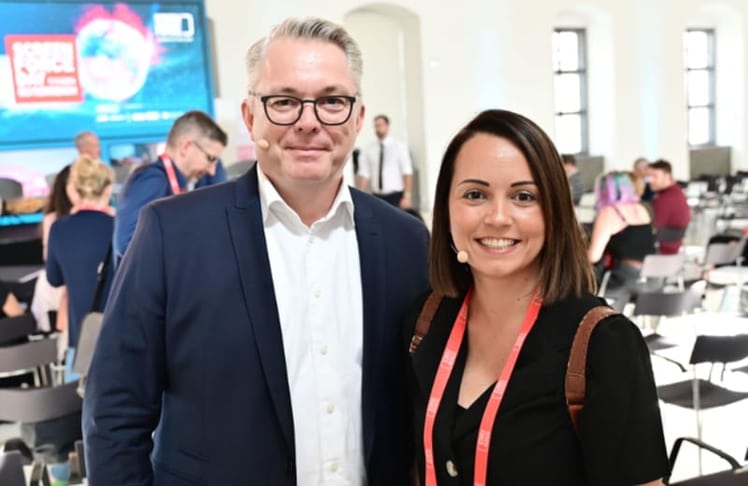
{"type": "Point", "coordinates": [576, 183]}
{"type": "Point", "coordinates": [670, 206]}
{"type": "Point", "coordinates": [510, 261]}
{"type": "Point", "coordinates": [255, 324]}
{"type": "Point", "coordinates": [193, 147]}
{"type": "Point", "coordinates": [622, 231]}
{"type": "Point", "coordinates": [641, 170]}
{"type": "Point", "coordinates": [88, 143]}
{"type": "Point", "coordinates": [79, 242]}
{"type": "Point", "coordinates": [47, 298]}
{"type": "Point", "coordinates": [386, 169]}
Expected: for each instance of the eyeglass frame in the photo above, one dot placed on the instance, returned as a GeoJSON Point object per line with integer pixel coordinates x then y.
{"type": "Point", "coordinates": [302, 101]}
{"type": "Point", "coordinates": [212, 159]}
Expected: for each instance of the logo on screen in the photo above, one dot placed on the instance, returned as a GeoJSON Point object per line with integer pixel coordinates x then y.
{"type": "Point", "coordinates": [174, 26]}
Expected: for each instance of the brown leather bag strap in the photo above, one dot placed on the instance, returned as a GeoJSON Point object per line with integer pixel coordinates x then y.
{"type": "Point", "coordinates": [424, 320]}
{"type": "Point", "coordinates": [576, 376]}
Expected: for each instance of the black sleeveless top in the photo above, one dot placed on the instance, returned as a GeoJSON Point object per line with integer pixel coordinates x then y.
{"type": "Point", "coordinates": [633, 242]}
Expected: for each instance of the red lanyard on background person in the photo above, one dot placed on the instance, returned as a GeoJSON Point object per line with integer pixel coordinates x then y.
{"type": "Point", "coordinates": [171, 174]}
{"type": "Point", "coordinates": [489, 415]}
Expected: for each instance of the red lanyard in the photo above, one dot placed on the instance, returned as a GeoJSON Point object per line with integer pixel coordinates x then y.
{"type": "Point", "coordinates": [489, 415]}
{"type": "Point", "coordinates": [170, 174]}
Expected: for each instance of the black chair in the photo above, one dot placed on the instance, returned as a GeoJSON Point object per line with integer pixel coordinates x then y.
{"type": "Point", "coordinates": [667, 304]}
{"type": "Point", "coordinates": [668, 234]}
{"type": "Point", "coordinates": [11, 469]}
{"type": "Point", "coordinates": [734, 476]}
{"type": "Point", "coordinates": [15, 329]}
{"type": "Point", "coordinates": [49, 416]}
{"type": "Point", "coordinates": [699, 394]}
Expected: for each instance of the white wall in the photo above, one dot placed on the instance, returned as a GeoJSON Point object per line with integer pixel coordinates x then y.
{"type": "Point", "coordinates": [483, 54]}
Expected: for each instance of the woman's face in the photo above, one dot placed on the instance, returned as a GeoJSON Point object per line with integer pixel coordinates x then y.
{"type": "Point", "coordinates": [495, 214]}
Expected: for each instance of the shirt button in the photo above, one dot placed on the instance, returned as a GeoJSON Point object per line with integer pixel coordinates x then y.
{"type": "Point", "coordinates": [323, 350]}
{"type": "Point", "coordinates": [334, 467]}
{"type": "Point", "coordinates": [330, 408]}
{"type": "Point", "coordinates": [451, 469]}
{"type": "Point", "coordinates": [317, 293]}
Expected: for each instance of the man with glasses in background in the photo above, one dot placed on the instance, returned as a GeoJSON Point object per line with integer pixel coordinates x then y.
{"type": "Point", "coordinates": [193, 149]}
{"type": "Point", "coordinates": [255, 325]}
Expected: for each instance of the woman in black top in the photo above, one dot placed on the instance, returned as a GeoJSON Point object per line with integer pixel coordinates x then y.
{"type": "Point", "coordinates": [510, 258]}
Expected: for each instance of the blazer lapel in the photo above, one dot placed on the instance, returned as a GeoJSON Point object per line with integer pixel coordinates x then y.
{"type": "Point", "coordinates": [373, 284]}
{"type": "Point", "coordinates": [250, 249]}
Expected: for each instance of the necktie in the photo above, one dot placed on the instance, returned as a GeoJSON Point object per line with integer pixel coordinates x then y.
{"type": "Point", "coordinates": [381, 163]}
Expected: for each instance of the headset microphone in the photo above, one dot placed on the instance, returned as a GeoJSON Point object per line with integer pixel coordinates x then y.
{"type": "Point", "coordinates": [263, 144]}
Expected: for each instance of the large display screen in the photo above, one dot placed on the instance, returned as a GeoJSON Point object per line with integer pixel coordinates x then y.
{"type": "Point", "coordinates": [124, 70]}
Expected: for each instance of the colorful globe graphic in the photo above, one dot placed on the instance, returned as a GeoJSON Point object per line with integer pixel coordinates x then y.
{"type": "Point", "coordinates": [114, 59]}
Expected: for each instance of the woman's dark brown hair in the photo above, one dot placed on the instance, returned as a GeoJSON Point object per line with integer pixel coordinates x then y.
{"type": "Point", "coordinates": [58, 199]}
{"type": "Point", "coordinates": [564, 266]}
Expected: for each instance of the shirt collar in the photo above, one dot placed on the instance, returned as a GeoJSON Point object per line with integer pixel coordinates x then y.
{"type": "Point", "coordinates": [274, 207]}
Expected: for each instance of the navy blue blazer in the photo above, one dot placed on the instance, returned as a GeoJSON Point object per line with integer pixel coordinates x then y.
{"type": "Point", "coordinates": [191, 347]}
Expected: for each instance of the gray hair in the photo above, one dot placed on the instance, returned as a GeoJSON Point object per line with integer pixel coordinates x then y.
{"type": "Point", "coordinates": [82, 138]}
{"type": "Point", "coordinates": [312, 29]}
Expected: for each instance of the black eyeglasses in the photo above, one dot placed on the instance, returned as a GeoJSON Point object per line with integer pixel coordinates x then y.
{"type": "Point", "coordinates": [211, 158]}
{"type": "Point", "coordinates": [286, 110]}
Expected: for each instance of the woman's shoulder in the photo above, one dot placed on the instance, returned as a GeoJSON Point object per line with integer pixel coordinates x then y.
{"type": "Point", "coordinates": [559, 321]}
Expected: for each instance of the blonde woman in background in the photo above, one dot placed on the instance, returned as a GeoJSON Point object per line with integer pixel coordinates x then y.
{"type": "Point", "coordinates": [79, 242]}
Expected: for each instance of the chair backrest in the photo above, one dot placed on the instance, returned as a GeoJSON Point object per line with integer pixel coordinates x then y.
{"type": "Point", "coordinates": [662, 266]}
{"type": "Point", "coordinates": [668, 234]}
{"type": "Point", "coordinates": [719, 349]}
{"type": "Point", "coordinates": [661, 303]}
{"type": "Point", "coordinates": [37, 404]}
{"type": "Point", "coordinates": [724, 253]}
{"type": "Point", "coordinates": [10, 188]}
{"type": "Point", "coordinates": [28, 355]}
{"type": "Point", "coordinates": [14, 328]}
{"type": "Point", "coordinates": [11, 469]}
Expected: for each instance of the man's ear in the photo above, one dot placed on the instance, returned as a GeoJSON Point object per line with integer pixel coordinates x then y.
{"type": "Point", "coordinates": [248, 116]}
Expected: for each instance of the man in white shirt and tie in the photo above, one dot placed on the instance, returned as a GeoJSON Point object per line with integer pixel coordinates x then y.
{"type": "Point", "coordinates": [386, 168]}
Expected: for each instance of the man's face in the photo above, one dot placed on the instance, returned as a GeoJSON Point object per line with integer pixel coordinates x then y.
{"type": "Point", "coordinates": [381, 128]}
{"type": "Point", "coordinates": [307, 153]}
{"type": "Point", "coordinates": [200, 155]}
{"type": "Point", "coordinates": [91, 147]}
{"type": "Point", "coordinates": [659, 179]}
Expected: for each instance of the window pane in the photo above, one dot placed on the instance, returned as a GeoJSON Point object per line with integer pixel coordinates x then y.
{"type": "Point", "coordinates": [569, 133]}
{"type": "Point", "coordinates": [699, 92]}
{"type": "Point", "coordinates": [568, 92]}
{"type": "Point", "coordinates": [565, 51]}
{"type": "Point", "coordinates": [697, 49]}
{"type": "Point", "coordinates": [698, 126]}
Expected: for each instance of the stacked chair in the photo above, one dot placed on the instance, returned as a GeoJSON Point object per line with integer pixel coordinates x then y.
{"type": "Point", "coordinates": [49, 413]}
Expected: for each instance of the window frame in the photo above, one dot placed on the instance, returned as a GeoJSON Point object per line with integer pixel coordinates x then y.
{"type": "Point", "coordinates": [582, 73]}
{"type": "Point", "coordinates": [711, 105]}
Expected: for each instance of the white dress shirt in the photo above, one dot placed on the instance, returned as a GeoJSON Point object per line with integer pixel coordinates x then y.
{"type": "Point", "coordinates": [317, 283]}
{"type": "Point", "coordinates": [397, 164]}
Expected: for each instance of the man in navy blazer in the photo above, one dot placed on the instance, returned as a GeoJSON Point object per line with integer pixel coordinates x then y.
{"type": "Point", "coordinates": [253, 332]}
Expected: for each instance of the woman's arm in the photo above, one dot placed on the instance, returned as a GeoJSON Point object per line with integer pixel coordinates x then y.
{"type": "Point", "coordinates": [11, 306]}
{"type": "Point", "coordinates": [601, 232]}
